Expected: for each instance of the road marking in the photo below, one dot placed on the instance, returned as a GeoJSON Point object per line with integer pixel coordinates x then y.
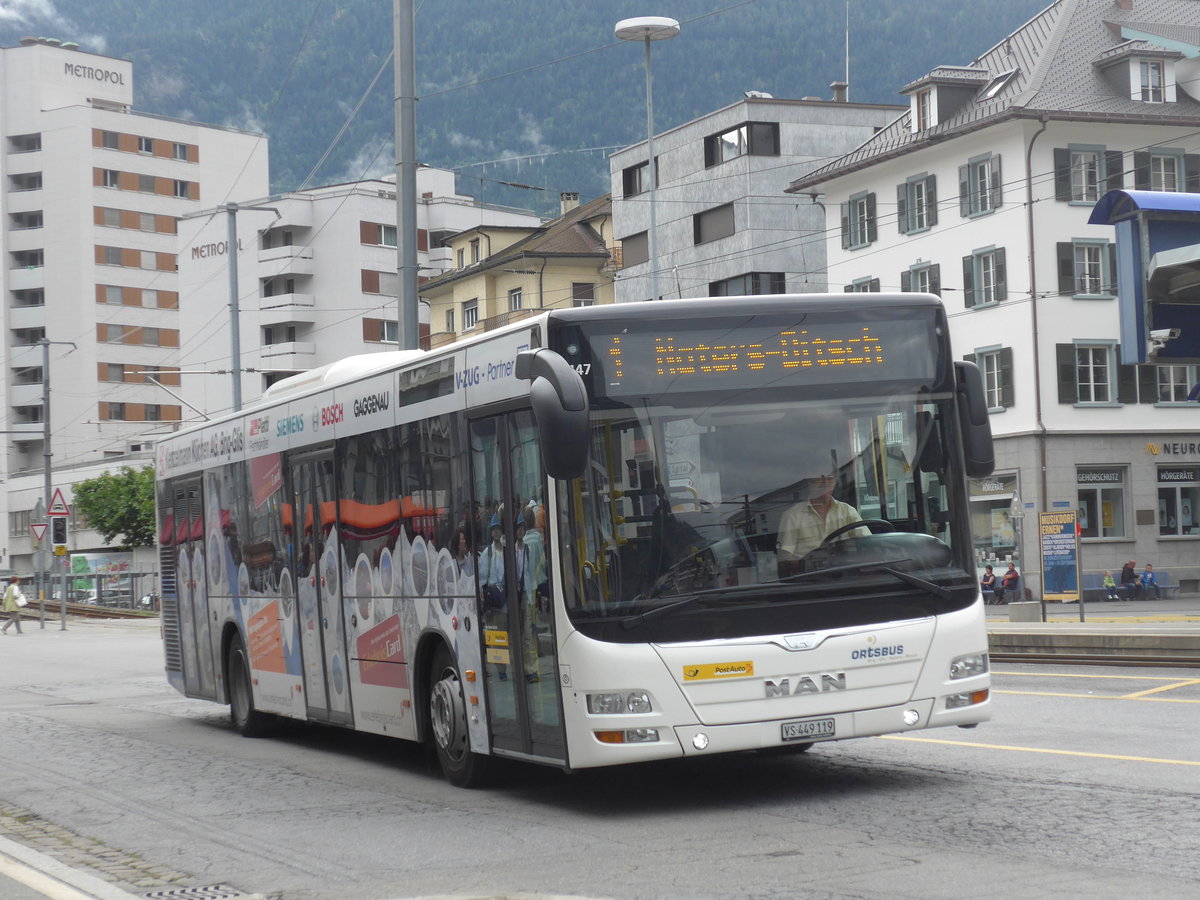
{"type": "Point", "coordinates": [1086, 675]}
{"type": "Point", "coordinates": [1149, 759]}
{"type": "Point", "coordinates": [1141, 696]}
{"type": "Point", "coordinates": [1164, 687]}
{"type": "Point", "coordinates": [43, 884]}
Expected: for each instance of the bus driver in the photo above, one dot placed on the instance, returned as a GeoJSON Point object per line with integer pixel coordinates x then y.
{"type": "Point", "coordinates": [818, 513]}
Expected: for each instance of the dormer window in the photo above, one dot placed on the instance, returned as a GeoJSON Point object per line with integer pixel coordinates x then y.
{"type": "Point", "coordinates": [923, 109]}
{"type": "Point", "coordinates": [1151, 80]}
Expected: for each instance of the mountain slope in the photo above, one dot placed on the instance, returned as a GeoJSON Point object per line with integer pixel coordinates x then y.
{"type": "Point", "coordinates": [511, 90]}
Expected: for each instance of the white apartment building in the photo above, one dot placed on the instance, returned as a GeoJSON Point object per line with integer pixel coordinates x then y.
{"type": "Point", "coordinates": [92, 191]}
{"type": "Point", "coordinates": [724, 224]}
{"type": "Point", "coordinates": [981, 193]}
{"type": "Point", "coordinates": [317, 281]}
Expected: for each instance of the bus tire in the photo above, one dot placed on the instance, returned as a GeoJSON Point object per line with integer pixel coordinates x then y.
{"type": "Point", "coordinates": [247, 720]}
{"type": "Point", "coordinates": [448, 724]}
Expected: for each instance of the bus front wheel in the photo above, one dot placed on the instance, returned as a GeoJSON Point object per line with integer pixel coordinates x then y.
{"type": "Point", "coordinates": [448, 724]}
{"type": "Point", "coordinates": [248, 721]}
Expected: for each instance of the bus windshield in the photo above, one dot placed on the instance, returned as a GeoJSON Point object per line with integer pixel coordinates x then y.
{"type": "Point", "coordinates": [706, 521]}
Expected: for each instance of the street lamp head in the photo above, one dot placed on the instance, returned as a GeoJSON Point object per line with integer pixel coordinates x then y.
{"type": "Point", "coordinates": [647, 28]}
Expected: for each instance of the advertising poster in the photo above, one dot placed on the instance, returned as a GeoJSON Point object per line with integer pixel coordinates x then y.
{"type": "Point", "coordinates": [1060, 555]}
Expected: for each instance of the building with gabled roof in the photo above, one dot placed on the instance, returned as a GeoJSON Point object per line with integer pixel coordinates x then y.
{"type": "Point", "coordinates": [981, 193]}
{"type": "Point", "coordinates": [501, 275]}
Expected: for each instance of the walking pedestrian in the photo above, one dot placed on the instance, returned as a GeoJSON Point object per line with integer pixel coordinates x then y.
{"type": "Point", "coordinates": [13, 601]}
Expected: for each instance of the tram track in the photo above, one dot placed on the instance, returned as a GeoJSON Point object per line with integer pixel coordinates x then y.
{"type": "Point", "coordinates": [1099, 659]}
{"type": "Point", "coordinates": [82, 611]}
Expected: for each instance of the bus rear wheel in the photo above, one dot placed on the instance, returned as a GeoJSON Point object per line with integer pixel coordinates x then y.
{"type": "Point", "coordinates": [248, 721]}
{"type": "Point", "coordinates": [448, 724]}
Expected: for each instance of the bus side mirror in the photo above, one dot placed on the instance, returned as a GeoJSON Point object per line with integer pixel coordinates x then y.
{"type": "Point", "coordinates": [560, 408]}
{"type": "Point", "coordinates": [979, 457]}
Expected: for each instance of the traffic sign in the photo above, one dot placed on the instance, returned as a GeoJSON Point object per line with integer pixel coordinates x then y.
{"type": "Point", "coordinates": [58, 506]}
{"type": "Point", "coordinates": [38, 529]}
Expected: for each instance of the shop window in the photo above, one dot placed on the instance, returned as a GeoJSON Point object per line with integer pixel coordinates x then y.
{"type": "Point", "coordinates": [1178, 500]}
{"type": "Point", "coordinates": [1101, 500]}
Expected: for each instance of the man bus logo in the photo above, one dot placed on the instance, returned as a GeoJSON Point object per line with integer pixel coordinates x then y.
{"type": "Point", "coordinates": [806, 684]}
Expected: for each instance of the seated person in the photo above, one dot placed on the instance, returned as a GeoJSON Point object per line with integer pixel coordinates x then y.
{"type": "Point", "coordinates": [1146, 583]}
{"type": "Point", "coordinates": [805, 524]}
{"type": "Point", "coordinates": [1110, 587]}
{"type": "Point", "coordinates": [987, 583]}
{"type": "Point", "coordinates": [1010, 583]}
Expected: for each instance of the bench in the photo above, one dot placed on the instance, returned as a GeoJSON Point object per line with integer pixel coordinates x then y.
{"type": "Point", "coordinates": [1005, 596]}
{"type": "Point", "coordinates": [1093, 587]}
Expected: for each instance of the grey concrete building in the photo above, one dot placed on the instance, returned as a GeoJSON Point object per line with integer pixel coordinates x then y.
{"type": "Point", "coordinates": [725, 225]}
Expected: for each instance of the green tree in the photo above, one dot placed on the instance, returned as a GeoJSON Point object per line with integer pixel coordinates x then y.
{"type": "Point", "coordinates": [120, 504]}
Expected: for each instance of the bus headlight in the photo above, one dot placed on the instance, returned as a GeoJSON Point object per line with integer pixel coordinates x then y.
{"type": "Point", "coordinates": [966, 666]}
{"type": "Point", "coordinates": [617, 703]}
{"type": "Point", "coordinates": [957, 701]}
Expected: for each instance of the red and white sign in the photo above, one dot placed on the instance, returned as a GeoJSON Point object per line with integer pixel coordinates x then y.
{"type": "Point", "coordinates": [38, 529]}
{"type": "Point", "coordinates": [58, 506]}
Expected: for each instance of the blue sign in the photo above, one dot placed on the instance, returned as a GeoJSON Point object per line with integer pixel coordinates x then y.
{"type": "Point", "coordinates": [1059, 534]}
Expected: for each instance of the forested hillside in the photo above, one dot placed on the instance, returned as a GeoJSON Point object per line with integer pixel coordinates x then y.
{"type": "Point", "coordinates": [527, 91]}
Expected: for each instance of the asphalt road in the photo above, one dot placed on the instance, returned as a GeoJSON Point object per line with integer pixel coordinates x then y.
{"type": "Point", "coordinates": [1085, 784]}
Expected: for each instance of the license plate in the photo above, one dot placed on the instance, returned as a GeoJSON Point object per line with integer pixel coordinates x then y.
{"type": "Point", "coordinates": [807, 729]}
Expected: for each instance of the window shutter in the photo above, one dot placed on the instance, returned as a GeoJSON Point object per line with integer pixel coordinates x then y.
{"type": "Point", "coordinates": [931, 199]}
{"type": "Point", "coordinates": [847, 289]}
{"type": "Point", "coordinates": [968, 263]}
{"type": "Point", "coordinates": [906, 281]}
{"type": "Point", "coordinates": [873, 285]}
{"type": "Point", "coordinates": [1062, 173]}
{"type": "Point", "coordinates": [1066, 268]}
{"type": "Point", "coordinates": [902, 208]}
{"type": "Point", "coordinates": [845, 225]}
{"type": "Point", "coordinates": [1191, 173]}
{"type": "Point", "coordinates": [1127, 384]}
{"type": "Point", "coordinates": [997, 185]}
{"type": "Point", "coordinates": [1006, 377]}
{"type": "Point", "coordinates": [1001, 276]}
{"type": "Point", "coordinates": [1141, 170]}
{"type": "Point", "coordinates": [1114, 170]}
{"type": "Point", "coordinates": [1111, 252]}
{"type": "Point", "coordinates": [964, 191]}
{"type": "Point", "coordinates": [871, 231]}
{"type": "Point", "coordinates": [1147, 384]}
{"type": "Point", "coordinates": [935, 279]}
{"type": "Point", "coordinates": [1068, 388]}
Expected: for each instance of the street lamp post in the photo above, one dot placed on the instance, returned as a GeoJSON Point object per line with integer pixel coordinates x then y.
{"type": "Point", "coordinates": [647, 29]}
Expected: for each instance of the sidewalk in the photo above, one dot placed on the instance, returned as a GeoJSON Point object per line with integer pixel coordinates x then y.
{"type": "Point", "coordinates": [1128, 630]}
{"type": "Point", "coordinates": [27, 874]}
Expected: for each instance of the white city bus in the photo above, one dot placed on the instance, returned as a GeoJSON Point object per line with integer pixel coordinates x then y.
{"type": "Point", "coordinates": [587, 539]}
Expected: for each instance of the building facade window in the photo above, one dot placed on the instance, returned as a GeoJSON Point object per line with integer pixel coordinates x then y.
{"type": "Point", "coordinates": [516, 299]}
{"type": "Point", "coordinates": [114, 372]}
{"type": "Point", "coordinates": [858, 221]}
{"type": "Point", "coordinates": [1084, 172]}
{"type": "Point", "coordinates": [1175, 383]}
{"type": "Point", "coordinates": [114, 410]}
{"type": "Point", "coordinates": [1166, 170]}
{"type": "Point", "coordinates": [713, 224]}
{"type": "Point", "coordinates": [980, 189]}
{"type": "Point", "coordinates": [110, 140]}
{"type": "Point", "coordinates": [985, 278]}
{"type": "Point", "coordinates": [1087, 268]}
{"type": "Point", "coordinates": [1178, 501]}
{"type": "Point", "coordinates": [1100, 496]}
{"type": "Point", "coordinates": [635, 179]}
{"type": "Point", "coordinates": [474, 250]}
{"type": "Point", "coordinates": [1086, 373]}
{"type": "Point", "coordinates": [147, 184]}
{"type": "Point", "coordinates": [749, 284]}
{"type": "Point", "coordinates": [862, 286]}
{"type": "Point", "coordinates": [387, 235]}
{"type": "Point", "coordinates": [470, 314]}
{"type": "Point", "coordinates": [110, 178]}
{"type": "Point", "coordinates": [583, 293]}
{"type": "Point", "coordinates": [183, 189]}
{"type": "Point", "coordinates": [923, 116]}
{"type": "Point", "coordinates": [991, 502]}
{"type": "Point", "coordinates": [450, 319]}
{"type": "Point", "coordinates": [750, 138]}
{"type": "Point", "coordinates": [635, 250]}
{"type": "Point", "coordinates": [179, 151]}
{"type": "Point", "coordinates": [923, 278]}
{"type": "Point", "coordinates": [145, 145]}
{"type": "Point", "coordinates": [996, 365]}
{"type": "Point", "coordinates": [916, 204]}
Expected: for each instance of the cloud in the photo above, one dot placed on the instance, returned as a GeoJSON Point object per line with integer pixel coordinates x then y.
{"type": "Point", "coordinates": [37, 13]}
{"type": "Point", "coordinates": [375, 159]}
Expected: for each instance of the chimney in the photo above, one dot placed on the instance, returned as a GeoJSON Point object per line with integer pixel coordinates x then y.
{"type": "Point", "coordinates": [841, 91]}
{"type": "Point", "coordinates": [567, 201]}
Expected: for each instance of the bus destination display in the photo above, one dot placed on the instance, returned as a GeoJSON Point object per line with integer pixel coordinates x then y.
{"type": "Point", "coordinates": [762, 355]}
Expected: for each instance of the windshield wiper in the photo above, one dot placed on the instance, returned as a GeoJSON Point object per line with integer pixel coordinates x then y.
{"type": "Point", "coordinates": [936, 590]}
{"type": "Point", "coordinates": [632, 621]}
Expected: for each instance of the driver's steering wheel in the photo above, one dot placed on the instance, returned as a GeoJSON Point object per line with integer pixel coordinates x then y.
{"type": "Point", "coordinates": [884, 525]}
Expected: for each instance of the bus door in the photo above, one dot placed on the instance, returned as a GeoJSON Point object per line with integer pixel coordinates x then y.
{"type": "Point", "coordinates": [514, 571]}
{"type": "Point", "coordinates": [195, 625]}
{"type": "Point", "coordinates": [316, 560]}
